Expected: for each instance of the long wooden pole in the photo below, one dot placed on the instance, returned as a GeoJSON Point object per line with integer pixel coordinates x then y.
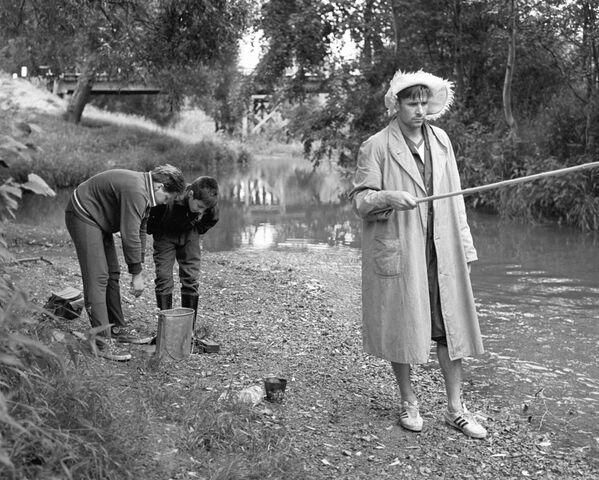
{"type": "Point", "coordinates": [513, 181]}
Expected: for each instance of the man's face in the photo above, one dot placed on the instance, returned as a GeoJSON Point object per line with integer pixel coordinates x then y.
{"type": "Point", "coordinates": [195, 205]}
{"type": "Point", "coordinates": [412, 112]}
{"type": "Point", "coordinates": [161, 195]}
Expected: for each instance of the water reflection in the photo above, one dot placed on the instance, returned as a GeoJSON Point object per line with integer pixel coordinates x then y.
{"type": "Point", "coordinates": [278, 202]}
{"type": "Point", "coordinates": [284, 203]}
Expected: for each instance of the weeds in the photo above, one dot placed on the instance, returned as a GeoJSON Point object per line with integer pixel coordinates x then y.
{"type": "Point", "coordinates": [52, 422]}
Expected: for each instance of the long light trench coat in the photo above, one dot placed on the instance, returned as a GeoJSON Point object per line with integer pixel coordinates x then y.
{"type": "Point", "coordinates": [395, 301]}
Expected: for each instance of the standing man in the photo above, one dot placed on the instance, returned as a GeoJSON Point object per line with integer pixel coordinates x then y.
{"type": "Point", "coordinates": [416, 256]}
{"type": "Point", "coordinates": [114, 201]}
{"type": "Point", "coordinates": [176, 228]}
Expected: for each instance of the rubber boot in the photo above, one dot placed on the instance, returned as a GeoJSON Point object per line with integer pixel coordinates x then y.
{"type": "Point", "coordinates": [191, 301]}
{"type": "Point", "coordinates": [164, 301]}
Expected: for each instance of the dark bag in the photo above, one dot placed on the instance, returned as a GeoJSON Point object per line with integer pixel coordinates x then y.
{"type": "Point", "coordinates": [67, 303]}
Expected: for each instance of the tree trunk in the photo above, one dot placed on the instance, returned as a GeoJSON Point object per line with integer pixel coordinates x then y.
{"type": "Point", "coordinates": [396, 9]}
{"type": "Point", "coordinates": [591, 67]}
{"type": "Point", "coordinates": [368, 58]}
{"type": "Point", "coordinates": [509, 73]}
{"type": "Point", "coordinates": [81, 94]}
{"type": "Point", "coordinates": [458, 43]}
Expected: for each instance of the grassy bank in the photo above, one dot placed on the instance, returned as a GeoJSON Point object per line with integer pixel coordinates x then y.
{"type": "Point", "coordinates": [65, 154]}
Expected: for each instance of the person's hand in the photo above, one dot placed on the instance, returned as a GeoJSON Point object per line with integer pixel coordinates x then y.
{"type": "Point", "coordinates": [399, 200]}
{"type": "Point", "coordinates": [137, 284]}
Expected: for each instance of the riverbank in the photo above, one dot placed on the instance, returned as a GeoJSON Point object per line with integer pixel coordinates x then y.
{"type": "Point", "coordinates": [294, 314]}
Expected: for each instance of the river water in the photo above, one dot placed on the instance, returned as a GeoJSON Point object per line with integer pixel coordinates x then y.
{"type": "Point", "coordinates": [537, 287]}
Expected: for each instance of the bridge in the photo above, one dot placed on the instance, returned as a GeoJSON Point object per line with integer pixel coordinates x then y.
{"type": "Point", "coordinates": [262, 109]}
{"type": "Point", "coordinates": [65, 85]}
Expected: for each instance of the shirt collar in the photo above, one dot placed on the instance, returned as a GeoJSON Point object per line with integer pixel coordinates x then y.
{"type": "Point", "coordinates": [150, 187]}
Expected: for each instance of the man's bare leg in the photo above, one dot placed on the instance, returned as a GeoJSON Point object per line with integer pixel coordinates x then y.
{"type": "Point", "coordinates": [452, 373]}
{"type": "Point", "coordinates": [409, 416]}
{"type": "Point", "coordinates": [402, 375]}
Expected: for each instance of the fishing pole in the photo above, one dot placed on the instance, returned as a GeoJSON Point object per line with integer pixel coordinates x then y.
{"type": "Point", "coordinates": [506, 183]}
{"type": "Point", "coordinates": [503, 183]}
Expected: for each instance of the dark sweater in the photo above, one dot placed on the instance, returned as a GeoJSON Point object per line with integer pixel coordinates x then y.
{"type": "Point", "coordinates": [176, 218]}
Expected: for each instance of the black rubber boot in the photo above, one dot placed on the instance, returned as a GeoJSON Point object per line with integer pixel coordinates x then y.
{"type": "Point", "coordinates": [191, 301]}
{"type": "Point", "coordinates": [164, 301]}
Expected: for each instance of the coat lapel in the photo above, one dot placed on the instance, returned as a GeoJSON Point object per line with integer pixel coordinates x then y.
{"type": "Point", "coordinates": [438, 157]}
{"type": "Point", "coordinates": [402, 155]}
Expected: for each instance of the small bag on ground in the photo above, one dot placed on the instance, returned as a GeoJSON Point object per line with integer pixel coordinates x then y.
{"type": "Point", "coordinates": [67, 303]}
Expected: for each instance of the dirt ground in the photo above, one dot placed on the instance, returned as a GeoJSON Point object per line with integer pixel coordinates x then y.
{"type": "Point", "coordinates": [296, 314]}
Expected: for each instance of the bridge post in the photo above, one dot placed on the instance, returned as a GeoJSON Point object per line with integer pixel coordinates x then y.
{"type": "Point", "coordinates": [244, 126]}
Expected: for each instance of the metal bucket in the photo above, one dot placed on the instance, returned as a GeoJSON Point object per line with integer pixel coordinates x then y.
{"type": "Point", "coordinates": [173, 340]}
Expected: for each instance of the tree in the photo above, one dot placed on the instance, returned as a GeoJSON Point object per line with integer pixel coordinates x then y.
{"type": "Point", "coordinates": [509, 72]}
{"type": "Point", "coordinates": [172, 41]}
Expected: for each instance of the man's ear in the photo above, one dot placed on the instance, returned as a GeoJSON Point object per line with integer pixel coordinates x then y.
{"type": "Point", "coordinates": [158, 186]}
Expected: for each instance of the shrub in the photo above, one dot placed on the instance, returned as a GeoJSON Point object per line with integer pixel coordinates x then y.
{"type": "Point", "coordinates": [571, 199]}
{"type": "Point", "coordinates": [560, 128]}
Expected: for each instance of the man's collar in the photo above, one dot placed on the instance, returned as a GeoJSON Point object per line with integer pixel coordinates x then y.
{"type": "Point", "coordinates": [150, 187]}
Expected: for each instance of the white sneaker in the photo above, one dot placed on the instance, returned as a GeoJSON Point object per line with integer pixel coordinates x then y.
{"type": "Point", "coordinates": [409, 416]}
{"type": "Point", "coordinates": [465, 422]}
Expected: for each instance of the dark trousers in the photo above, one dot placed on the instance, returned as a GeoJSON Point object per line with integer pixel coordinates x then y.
{"type": "Point", "coordinates": [100, 272]}
{"type": "Point", "coordinates": [185, 249]}
{"type": "Point", "coordinates": [438, 333]}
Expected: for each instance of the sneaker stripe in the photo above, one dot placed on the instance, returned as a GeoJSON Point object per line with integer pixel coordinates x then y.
{"type": "Point", "coordinates": [461, 422]}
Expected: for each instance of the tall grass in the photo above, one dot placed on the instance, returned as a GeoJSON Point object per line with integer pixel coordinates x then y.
{"type": "Point", "coordinates": [63, 414]}
{"type": "Point", "coordinates": [52, 423]}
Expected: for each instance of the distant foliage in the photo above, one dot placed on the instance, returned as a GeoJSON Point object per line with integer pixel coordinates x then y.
{"type": "Point", "coordinates": [206, 157]}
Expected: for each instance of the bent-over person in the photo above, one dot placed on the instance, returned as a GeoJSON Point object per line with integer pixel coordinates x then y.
{"type": "Point", "coordinates": [176, 228]}
{"type": "Point", "coordinates": [112, 201]}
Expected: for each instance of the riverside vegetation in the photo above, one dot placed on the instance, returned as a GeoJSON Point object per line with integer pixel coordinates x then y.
{"type": "Point", "coordinates": [66, 414]}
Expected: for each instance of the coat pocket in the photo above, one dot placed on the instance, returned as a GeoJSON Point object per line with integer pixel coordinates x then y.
{"type": "Point", "coordinates": [386, 257]}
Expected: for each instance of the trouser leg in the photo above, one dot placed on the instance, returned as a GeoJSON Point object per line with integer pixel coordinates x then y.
{"type": "Point", "coordinates": [188, 257]}
{"type": "Point", "coordinates": [113, 290]}
{"type": "Point", "coordinates": [164, 261]}
{"type": "Point", "coordinates": [89, 245]}
{"type": "Point", "coordinates": [438, 332]}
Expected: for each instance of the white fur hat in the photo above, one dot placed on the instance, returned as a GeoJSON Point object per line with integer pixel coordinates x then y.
{"type": "Point", "coordinates": [441, 89]}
